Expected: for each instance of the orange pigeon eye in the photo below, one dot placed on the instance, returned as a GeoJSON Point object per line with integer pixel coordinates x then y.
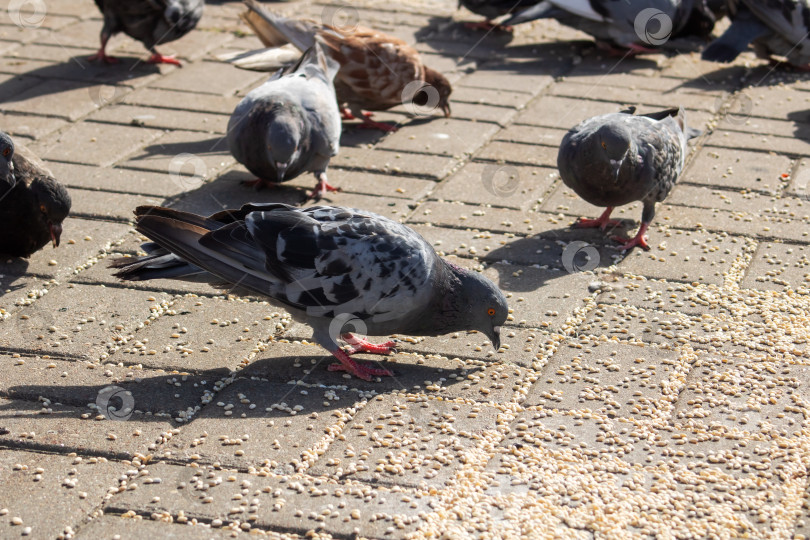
{"type": "Point", "coordinates": [6, 152]}
{"type": "Point", "coordinates": [604, 145]}
{"type": "Point", "coordinates": [43, 209]}
{"type": "Point", "coordinates": [491, 312]}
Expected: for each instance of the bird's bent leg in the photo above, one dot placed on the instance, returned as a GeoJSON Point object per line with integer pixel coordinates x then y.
{"type": "Point", "coordinates": [158, 58]}
{"type": "Point", "coordinates": [602, 221]}
{"type": "Point", "coordinates": [101, 54]}
{"type": "Point", "coordinates": [322, 187]}
{"type": "Point", "coordinates": [362, 371]}
{"type": "Point", "coordinates": [361, 345]}
{"type": "Point", "coordinates": [640, 239]}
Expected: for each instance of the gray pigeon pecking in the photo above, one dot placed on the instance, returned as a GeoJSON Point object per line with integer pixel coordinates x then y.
{"type": "Point", "coordinates": [776, 27]}
{"type": "Point", "coordinates": [619, 158]}
{"type": "Point", "coordinates": [32, 203]}
{"type": "Point", "coordinates": [634, 26]}
{"type": "Point", "coordinates": [290, 124]}
{"type": "Point", "coordinates": [330, 267]}
{"type": "Point", "coordinates": [151, 22]}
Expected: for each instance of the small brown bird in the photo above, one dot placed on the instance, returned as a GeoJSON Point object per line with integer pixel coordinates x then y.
{"type": "Point", "coordinates": [377, 71]}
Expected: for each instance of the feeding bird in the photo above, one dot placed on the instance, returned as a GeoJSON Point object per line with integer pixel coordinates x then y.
{"type": "Point", "coordinates": [151, 22]}
{"type": "Point", "coordinates": [377, 71]}
{"type": "Point", "coordinates": [328, 266]}
{"type": "Point", "coordinates": [290, 124]}
{"type": "Point", "coordinates": [33, 204]}
{"type": "Point", "coordinates": [619, 158]}
{"type": "Point", "coordinates": [776, 27]}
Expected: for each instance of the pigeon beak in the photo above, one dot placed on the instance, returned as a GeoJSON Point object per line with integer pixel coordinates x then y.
{"type": "Point", "coordinates": [281, 168]}
{"type": "Point", "coordinates": [56, 233]}
{"type": "Point", "coordinates": [496, 337]}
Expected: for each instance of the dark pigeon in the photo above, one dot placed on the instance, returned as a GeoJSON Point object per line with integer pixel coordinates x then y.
{"type": "Point", "coordinates": [619, 158]}
{"type": "Point", "coordinates": [776, 27]}
{"type": "Point", "coordinates": [330, 267]}
{"type": "Point", "coordinates": [290, 124]}
{"type": "Point", "coordinates": [151, 22]}
{"type": "Point", "coordinates": [620, 26]}
{"type": "Point", "coordinates": [32, 203]}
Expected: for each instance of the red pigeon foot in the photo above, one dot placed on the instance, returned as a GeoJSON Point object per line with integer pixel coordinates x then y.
{"type": "Point", "coordinates": [362, 371]}
{"type": "Point", "coordinates": [158, 58]}
{"type": "Point", "coordinates": [361, 345]}
{"type": "Point", "coordinates": [321, 189]}
{"type": "Point", "coordinates": [640, 239]}
{"type": "Point", "coordinates": [602, 221]}
{"type": "Point", "coordinates": [101, 55]}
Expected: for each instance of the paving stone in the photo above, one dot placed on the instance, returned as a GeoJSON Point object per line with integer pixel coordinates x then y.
{"type": "Point", "coordinates": [183, 155]}
{"type": "Point", "coordinates": [737, 170]}
{"type": "Point", "coordinates": [395, 162]}
{"type": "Point", "coordinates": [777, 267]}
{"type": "Point", "coordinates": [30, 126]}
{"type": "Point", "coordinates": [443, 136]}
{"type": "Point", "coordinates": [661, 295]}
{"type": "Point", "coordinates": [512, 152]}
{"type": "Point", "coordinates": [109, 526]}
{"type": "Point", "coordinates": [81, 240]}
{"type": "Point", "coordinates": [108, 311]}
{"type": "Point", "coordinates": [95, 144]}
{"type": "Point", "coordinates": [121, 393]}
{"type": "Point", "coordinates": [178, 100]}
{"type": "Point", "coordinates": [398, 187]}
{"type": "Point", "coordinates": [287, 437]}
{"type": "Point", "coordinates": [162, 118]}
{"type": "Point", "coordinates": [62, 428]}
{"type": "Point", "coordinates": [281, 502]}
{"type": "Point", "coordinates": [757, 142]}
{"type": "Point", "coordinates": [503, 185]}
{"type": "Point", "coordinates": [76, 99]}
{"type": "Point", "coordinates": [634, 325]}
{"type": "Point", "coordinates": [115, 180]}
{"type": "Point", "coordinates": [186, 338]}
{"type": "Point", "coordinates": [407, 441]}
{"type": "Point", "coordinates": [72, 490]}
{"type": "Point", "coordinates": [94, 204]}
{"type": "Point", "coordinates": [614, 379]}
{"type": "Point", "coordinates": [210, 78]}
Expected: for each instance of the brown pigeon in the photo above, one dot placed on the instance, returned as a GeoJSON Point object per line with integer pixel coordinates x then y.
{"type": "Point", "coordinates": [376, 70]}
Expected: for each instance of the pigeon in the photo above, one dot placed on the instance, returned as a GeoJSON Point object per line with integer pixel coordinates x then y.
{"type": "Point", "coordinates": [492, 9]}
{"type": "Point", "coordinates": [151, 22]}
{"type": "Point", "coordinates": [776, 27]}
{"type": "Point", "coordinates": [618, 158]}
{"type": "Point", "coordinates": [290, 124]}
{"type": "Point", "coordinates": [32, 204]}
{"type": "Point", "coordinates": [332, 268]}
{"type": "Point", "coordinates": [7, 179]}
{"type": "Point", "coordinates": [622, 27]}
{"type": "Point", "coordinates": [377, 71]}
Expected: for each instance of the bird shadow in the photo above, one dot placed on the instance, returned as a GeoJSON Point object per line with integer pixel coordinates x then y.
{"type": "Point", "coordinates": [12, 269]}
{"type": "Point", "coordinates": [557, 253]}
{"type": "Point", "coordinates": [801, 119]}
{"type": "Point", "coordinates": [78, 72]}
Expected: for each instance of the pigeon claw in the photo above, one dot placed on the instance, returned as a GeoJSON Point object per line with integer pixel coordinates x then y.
{"type": "Point", "coordinates": [603, 221]}
{"type": "Point", "coordinates": [158, 58]}
{"type": "Point", "coordinates": [361, 345]}
{"type": "Point", "coordinates": [359, 370]}
{"type": "Point", "coordinates": [640, 239]}
{"type": "Point", "coordinates": [321, 189]}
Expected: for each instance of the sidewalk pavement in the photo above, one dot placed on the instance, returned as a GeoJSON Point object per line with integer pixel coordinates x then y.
{"type": "Point", "coordinates": [658, 393]}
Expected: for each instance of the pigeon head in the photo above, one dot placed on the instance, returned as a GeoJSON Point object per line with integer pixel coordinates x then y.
{"type": "Point", "coordinates": [442, 86]}
{"type": "Point", "coordinates": [614, 144]}
{"type": "Point", "coordinates": [52, 205]}
{"type": "Point", "coordinates": [6, 154]}
{"type": "Point", "coordinates": [283, 143]}
{"type": "Point", "coordinates": [483, 306]}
